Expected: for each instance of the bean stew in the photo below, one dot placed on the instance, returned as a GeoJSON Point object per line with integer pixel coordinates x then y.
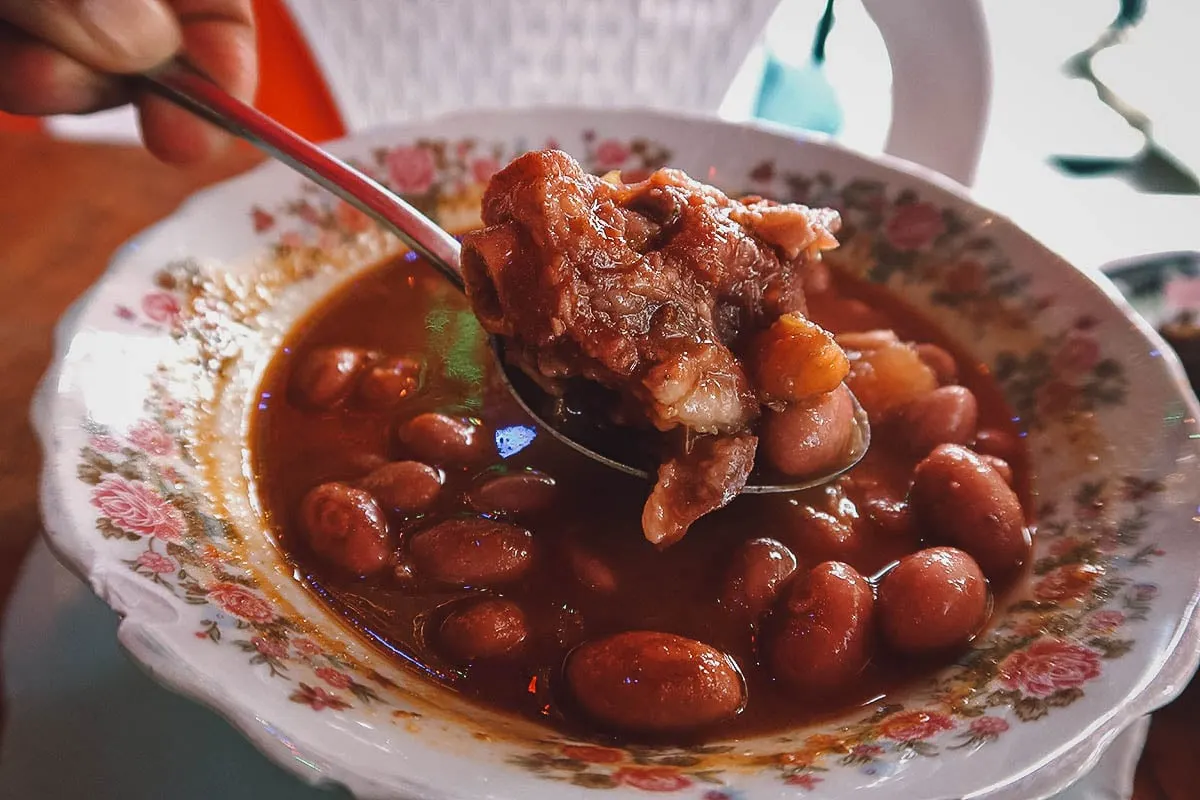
{"type": "Point", "coordinates": [421, 505]}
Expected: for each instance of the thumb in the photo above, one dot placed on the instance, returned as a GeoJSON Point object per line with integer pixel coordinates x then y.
{"type": "Point", "coordinates": [120, 36]}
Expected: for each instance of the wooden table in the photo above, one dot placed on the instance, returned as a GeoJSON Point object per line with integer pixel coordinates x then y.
{"type": "Point", "coordinates": [64, 208]}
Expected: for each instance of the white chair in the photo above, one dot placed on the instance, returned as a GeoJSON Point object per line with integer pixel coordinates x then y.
{"type": "Point", "coordinates": [941, 81]}
{"type": "Point", "coordinates": [388, 61]}
{"type": "Point", "coordinates": [395, 60]}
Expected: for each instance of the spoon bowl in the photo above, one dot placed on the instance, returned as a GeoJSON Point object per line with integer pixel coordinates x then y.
{"type": "Point", "coordinates": [624, 449]}
{"type": "Point", "coordinates": [188, 87]}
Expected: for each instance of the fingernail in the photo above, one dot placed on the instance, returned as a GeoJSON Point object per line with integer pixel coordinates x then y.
{"type": "Point", "coordinates": [139, 33]}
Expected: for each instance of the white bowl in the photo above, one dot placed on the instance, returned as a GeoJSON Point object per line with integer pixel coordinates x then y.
{"type": "Point", "coordinates": [147, 494]}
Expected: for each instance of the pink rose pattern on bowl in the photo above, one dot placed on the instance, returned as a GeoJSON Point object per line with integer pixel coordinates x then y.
{"type": "Point", "coordinates": [1091, 586]}
{"type": "Point", "coordinates": [134, 510]}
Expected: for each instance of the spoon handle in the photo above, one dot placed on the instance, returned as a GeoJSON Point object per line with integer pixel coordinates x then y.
{"type": "Point", "coordinates": [185, 85]}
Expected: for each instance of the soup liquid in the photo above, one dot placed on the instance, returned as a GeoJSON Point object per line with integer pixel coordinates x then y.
{"type": "Point", "coordinates": [403, 308]}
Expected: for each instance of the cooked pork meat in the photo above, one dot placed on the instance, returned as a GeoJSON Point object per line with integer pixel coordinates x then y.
{"type": "Point", "coordinates": [662, 291]}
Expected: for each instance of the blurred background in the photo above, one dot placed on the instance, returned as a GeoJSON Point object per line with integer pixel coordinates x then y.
{"type": "Point", "coordinates": [1054, 156]}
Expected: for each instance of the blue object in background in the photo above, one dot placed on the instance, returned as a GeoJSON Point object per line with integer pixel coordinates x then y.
{"type": "Point", "coordinates": [801, 96]}
{"type": "Point", "coordinates": [798, 96]}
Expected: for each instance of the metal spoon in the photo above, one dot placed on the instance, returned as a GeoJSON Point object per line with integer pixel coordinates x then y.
{"type": "Point", "coordinates": [188, 87]}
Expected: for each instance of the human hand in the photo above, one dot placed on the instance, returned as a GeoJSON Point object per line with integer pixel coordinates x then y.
{"type": "Point", "coordinates": [60, 57]}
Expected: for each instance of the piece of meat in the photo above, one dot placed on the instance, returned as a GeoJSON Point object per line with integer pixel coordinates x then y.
{"type": "Point", "coordinates": [701, 387]}
{"type": "Point", "coordinates": [696, 482]}
{"type": "Point", "coordinates": [652, 289]}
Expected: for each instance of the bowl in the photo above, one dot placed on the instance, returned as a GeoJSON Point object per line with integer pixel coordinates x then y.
{"type": "Point", "coordinates": [148, 496]}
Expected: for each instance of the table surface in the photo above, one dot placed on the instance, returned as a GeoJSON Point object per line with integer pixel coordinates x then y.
{"type": "Point", "coordinates": [65, 207]}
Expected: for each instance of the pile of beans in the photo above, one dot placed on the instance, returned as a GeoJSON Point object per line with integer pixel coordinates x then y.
{"type": "Point", "coordinates": [822, 625]}
{"type": "Point", "coordinates": [521, 577]}
{"type": "Point", "coordinates": [819, 624]}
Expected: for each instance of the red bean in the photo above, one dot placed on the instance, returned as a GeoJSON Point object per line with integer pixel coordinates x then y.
{"type": "Point", "coordinates": [944, 416]}
{"type": "Point", "coordinates": [891, 518]}
{"type": "Point", "coordinates": [406, 487]}
{"type": "Point", "coordinates": [391, 380]}
{"type": "Point", "coordinates": [654, 682]}
{"type": "Point", "coordinates": [819, 636]}
{"type": "Point", "coordinates": [758, 570]}
{"type": "Point", "coordinates": [482, 629]}
{"type": "Point", "coordinates": [346, 527]}
{"type": "Point", "coordinates": [809, 438]}
{"type": "Point", "coordinates": [815, 535]}
{"type": "Point", "coordinates": [444, 440]}
{"type": "Point", "coordinates": [940, 361]}
{"type": "Point", "coordinates": [932, 600]}
{"type": "Point", "coordinates": [998, 443]}
{"type": "Point", "coordinates": [358, 463]}
{"type": "Point", "coordinates": [322, 378]}
{"type": "Point", "coordinates": [882, 521]}
{"type": "Point", "coordinates": [521, 492]}
{"type": "Point", "coordinates": [963, 501]}
{"type": "Point", "coordinates": [1000, 465]}
{"type": "Point", "coordinates": [472, 551]}
{"type": "Point", "coordinates": [590, 569]}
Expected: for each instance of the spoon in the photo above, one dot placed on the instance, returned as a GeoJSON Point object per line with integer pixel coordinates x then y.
{"type": "Point", "coordinates": [188, 87]}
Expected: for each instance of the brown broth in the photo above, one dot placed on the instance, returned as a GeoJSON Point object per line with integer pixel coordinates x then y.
{"type": "Point", "coordinates": [403, 308]}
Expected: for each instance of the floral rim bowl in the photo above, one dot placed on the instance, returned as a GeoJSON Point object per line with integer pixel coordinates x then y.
{"type": "Point", "coordinates": [147, 494]}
